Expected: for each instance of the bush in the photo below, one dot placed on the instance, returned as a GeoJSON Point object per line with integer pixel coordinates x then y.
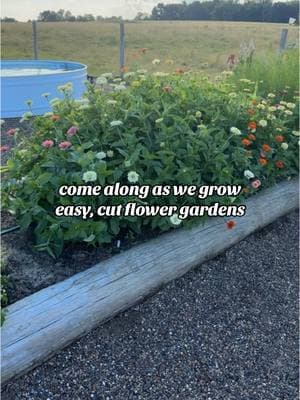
{"type": "Point", "coordinates": [170, 129]}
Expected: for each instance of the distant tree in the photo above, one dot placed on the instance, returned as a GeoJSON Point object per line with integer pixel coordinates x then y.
{"type": "Point", "coordinates": [8, 19]}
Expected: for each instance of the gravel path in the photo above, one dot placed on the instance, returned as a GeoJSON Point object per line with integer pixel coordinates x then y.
{"type": "Point", "coordinates": [227, 330]}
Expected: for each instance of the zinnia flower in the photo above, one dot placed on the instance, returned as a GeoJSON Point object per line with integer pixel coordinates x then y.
{"type": "Point", "coordinates": [256, 184]}
{"type": "Point", "coordinates": [296, 133]}
{"type": "Point", "coordinates": [279, 138]}
{"type": "Point", "coordinates": [263, 161]}
{"type": "Point", "coordinates": [230, 224]}
{"type": "Point", "coordinates": [291, 105]}
{"type": "Point", "coordinates": [246, 142]}
{"type": "Point", "coordinates": [133, 176]}
{"type": "Point", "coordinates": [89, 176]}
{"type": "Point", "coordinates": [48, 143]}
{"type": "Point", "coordinates": [3, 149]}
{"type": "Point", "coordinates": [116, 123]}
{"type": "Point", "coordinates": [263, 123]}
{"type": "Point", "coordinates": [101, 155]}
{"type": "Point", "coordinates": [266, 148]}
{"type": "Point", "coordinates": [252, 125]}
{"type": "Point", "coordinates": [251, 136]}
{"type": "Point", "coordinates": [235, 131]}
{"type": "Point", "coordinates": [248, 174]}
{"type": "Point", "coordinates": [12, 131]}
{"type": "Point", "coordinates": [284, 146]}
{"type": "Point", "coordinates": [72, 131]}
{"type": "Point", "coordinates": [110, 153]}
{"type": "Point", "coordinates": [55, 117]}
{"type": "Point", "coordinates": [175, 220]}
{"type": "Point", "coordinates": [64, 145]}
{"type": "Point", "coordinates": [279, 164]}
{"type": "Point", "coordinates": [288, 112]}
{"type": "Point", "coordinates": [156, 61]}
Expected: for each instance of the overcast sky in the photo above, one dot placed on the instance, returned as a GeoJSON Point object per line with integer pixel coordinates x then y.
{"type": "Point", "coordinates": [23, 10]}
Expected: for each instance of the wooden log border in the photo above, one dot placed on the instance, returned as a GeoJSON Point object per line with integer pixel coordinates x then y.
{"type": "Point", "coordinates": [41, 324]}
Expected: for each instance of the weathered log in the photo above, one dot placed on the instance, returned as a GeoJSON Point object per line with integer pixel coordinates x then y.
{"type": "Point", "coordinates": [41, 324]}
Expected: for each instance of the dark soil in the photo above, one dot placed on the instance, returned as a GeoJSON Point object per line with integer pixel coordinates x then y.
{"type": "Point", "coordinates": [29, 270]}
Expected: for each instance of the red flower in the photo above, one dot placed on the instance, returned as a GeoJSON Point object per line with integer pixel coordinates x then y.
{"type": "Point", "coordinates": [263, 161]}
{"type": "Point", "coordinates": [12, 132]}
{"type": "Point", "coordinates": [230, 224]}
{"type": "Point", "coordinates": [246, 142]}
{"type": "Point", "coordinates": [48, 143]}
{"type": "Point", "coordinates": [279, 164]}
{"type": "Point", "coordinates": [55, 117]}
{"type": "Point", "coordinates": [266, 148]}
{"type": "Point", "coordinates": [279, 138]}
{"type": "Point", "coordinates": [256, 184]}
{"type": "Point", "coordinates": [251, 136]}
{"type": "Point", "coordinates": [3, 149]}
{"type": "Point", "coordinates": [64, 145]}
{"type": "Point", "coordinates": [251, 125]}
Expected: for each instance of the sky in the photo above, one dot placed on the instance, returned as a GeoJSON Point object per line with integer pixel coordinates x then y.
{"type": "Point", "coordinates": [23, 10]}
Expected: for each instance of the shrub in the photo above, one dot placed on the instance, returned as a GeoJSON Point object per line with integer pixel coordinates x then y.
{"type": "Point", "coordinates": [171, 129]}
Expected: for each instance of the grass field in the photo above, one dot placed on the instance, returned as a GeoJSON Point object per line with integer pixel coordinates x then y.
{"type": "Point", "coordinates": [196, 45]}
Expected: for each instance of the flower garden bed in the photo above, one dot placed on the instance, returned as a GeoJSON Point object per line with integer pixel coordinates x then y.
{"type": "Point", "coordinates": [162, 130]}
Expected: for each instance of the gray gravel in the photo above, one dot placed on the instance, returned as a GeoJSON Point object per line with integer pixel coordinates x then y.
{"type": "Point", "coordinates": [226, 330]}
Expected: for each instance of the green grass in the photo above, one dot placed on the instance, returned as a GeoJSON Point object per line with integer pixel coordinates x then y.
{"type": "Point", "coordinates": [197, 45]}
{"type": "Point", "coordinates": [272, 72]}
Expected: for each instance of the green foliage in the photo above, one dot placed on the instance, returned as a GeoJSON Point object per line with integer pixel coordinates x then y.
{"type": "Point", "coordinates": [169, 129]}
{"type": "Point", "coordinates": [4, 283]}
{"type": "Point", "coordinates": [272, 73]}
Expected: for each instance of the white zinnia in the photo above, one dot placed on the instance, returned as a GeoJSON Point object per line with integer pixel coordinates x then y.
{"type": "Point", "coordinates": [100, 155]}
{"type": "Point", "coordinates": [156, 61]}
{"type": "Point", "coordinates": [288, 112]}
{"type": "Point", "coordinates": [89, 176]}
{"type": "Point", "coordinates": [263, 123]}
{"type": "Point", "coordinates": [248, 174]}
{"type": "Point", "coordinates": [175, 220]}
{"type": "Point", "coordinates": [291, 105]}
{"type": "Point", "coordinates": [284, 146]}
{"type": "Point", "coordinates": [133, 176]}
{"type": "Point", "coordinates": [295, 133]}
{"type": "Point", "coordinates": [235, 130]}
{"type": "Point", "coordinates": [116, 123]}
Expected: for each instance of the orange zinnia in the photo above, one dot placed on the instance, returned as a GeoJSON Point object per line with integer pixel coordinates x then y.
{"type": "Point", "coordinates": [263, 161]}
{"type": "Point", "coordinates": [179, 70]}
{"type": "Point", "coordinates": [251, 136]}
{"type": "Point", "coordinates": [230, 224]}
{"type": "Point", "coordinates": [254, 102]}
{"type": "Point", "coordinates": [124, 69]}
{"type": "Point", "coordinates": [251, 125]}
{"type": "Point", "coordinates": [245, 190]}
{"type": "Point", "coordinates": [266, 148]}
{"type": "Point", "coordinates": [279, 164]}
{"type": "Point", "coordinates": [246, 142]}
{"type": "Point", "coordinates": [279, 138]}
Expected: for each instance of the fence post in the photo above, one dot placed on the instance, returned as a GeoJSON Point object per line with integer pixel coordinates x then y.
{"type": "Point", "coordinates": [122, 47]}
{"type": "Point", "coordinates": [34, 40]}
{"type": "Point", "coordinates": [283, 39]}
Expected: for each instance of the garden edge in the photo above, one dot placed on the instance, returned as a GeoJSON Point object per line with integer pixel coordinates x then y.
{"type": "Point", "coordinates": [41, 324]}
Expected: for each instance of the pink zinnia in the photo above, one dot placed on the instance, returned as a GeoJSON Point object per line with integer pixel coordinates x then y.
{"type": "Point", "coordinates": [64, 145]}
{"type": "Point", "coordinates": [12, 131]}
{"type": "Point", "coordinates": [4, 148]}
{"type": "Point", "coordinates": [48, 143]}
{"type": "Point", "coordinates": [256, 184]}
{"type": "Point", "coordinates": [72, 131]}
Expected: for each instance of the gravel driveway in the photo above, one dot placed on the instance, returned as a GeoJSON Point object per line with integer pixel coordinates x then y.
{"type": "Point", "coordinates": [226, 330]}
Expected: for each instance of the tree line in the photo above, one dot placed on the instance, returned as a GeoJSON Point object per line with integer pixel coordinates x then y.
{"type": "Point", "coordinates": [228, 10]}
